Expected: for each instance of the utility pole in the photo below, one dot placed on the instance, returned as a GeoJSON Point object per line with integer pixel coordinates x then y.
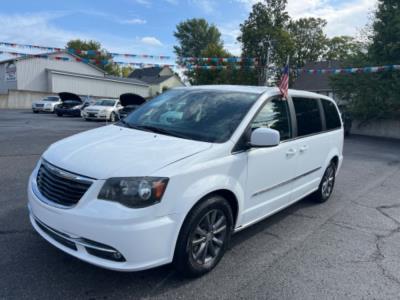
{"type": "Point", "coordinates": [265, 78]}
{"type": "Point", "coordinates": [267, 65]}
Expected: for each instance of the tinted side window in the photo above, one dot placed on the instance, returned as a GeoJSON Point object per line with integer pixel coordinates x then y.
{"type": "Point", "coordinates": [274, 115]}
{"type": "Point", "coordinates": [331, 115]}
{"type": "Point", "coordinates": [308, 116]}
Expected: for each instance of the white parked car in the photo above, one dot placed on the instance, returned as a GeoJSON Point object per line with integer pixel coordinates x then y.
{"type": "Point", "coordinates": [175, 179]}
{"type": "Point", "coordinates": [102, 109]}
{"type": "Point", "coordinates": [47, 104]}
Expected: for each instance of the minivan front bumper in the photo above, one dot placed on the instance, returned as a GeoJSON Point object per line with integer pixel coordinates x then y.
{"type": "Point", "coordinates": [122, 240]}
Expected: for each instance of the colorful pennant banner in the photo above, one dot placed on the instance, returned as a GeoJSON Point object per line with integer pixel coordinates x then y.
{"type": "Point", "coordinates": [350, 70]}
{"type": "Point", "coordinates": [85, 60]}
{"type": "Point", "coordinates": [95, 52]}
{"type": "Point", "coordinates": [83, 52]}
{"type": "Point", "coordinates": [15, 45]}
{"type": "Point", "coordinates": [130, 55]}
{"type": "Point", "coordinates": [219, 59]}
{"type": "Point", "coordinates": [142, 65]}
{"type": "Point", "coordinates": [182, 60]}
{"type": "Point", "coordinates": [308, 71]}
{"type": "Point", "coordinates": [57, 57]}
{"type": "Point", "coordinates": [235, 67]}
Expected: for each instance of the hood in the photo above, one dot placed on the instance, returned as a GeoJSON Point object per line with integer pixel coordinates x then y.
{"type": "Point", "coordinates": [131, 99]}
{"type": "Point", "coordinates": [98, 107]}
{"type": "Point", "coordinates": [43, 102]}
{"type": "Point", "coordinates": [114, 151]}
{"type": "Point", "coordinates": [69, 96]}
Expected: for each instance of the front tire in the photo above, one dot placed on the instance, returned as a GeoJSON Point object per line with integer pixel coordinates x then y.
{"type": "Point", "coordinates": [113, 117]}
{"type": "Point", "coordinates": [326, 185]}
{"type": "Point", "coordinates": [204, 237]}
{"type": "Point", "coordinates": [59, 114]}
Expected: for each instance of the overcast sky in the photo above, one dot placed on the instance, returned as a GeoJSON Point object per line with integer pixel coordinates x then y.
{"type": "Point", "coordinates": [146, 26]}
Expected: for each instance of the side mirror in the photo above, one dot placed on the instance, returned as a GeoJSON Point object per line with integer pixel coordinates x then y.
{"type": "Point", "coordinates": [265, 137]}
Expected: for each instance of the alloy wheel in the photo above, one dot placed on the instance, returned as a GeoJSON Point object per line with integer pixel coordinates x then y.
{"type": "Point", "coordinates": [209, 237]}
{"type": "Point", "coordinates": [328, 182]}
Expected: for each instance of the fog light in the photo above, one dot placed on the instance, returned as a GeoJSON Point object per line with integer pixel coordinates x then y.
{"type": "Point", "coordinates": [117, 255]}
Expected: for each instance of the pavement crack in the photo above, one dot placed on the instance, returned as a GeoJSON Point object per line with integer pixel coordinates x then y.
{"type": "Point", "coordinates": [388, 207]}
{"type": "Point", "coordinates": [272, 234]}
{"type": "Point", "coordinates": [378, 255]}
{"type": "Point", "coordinates": [302, 216]}
{"type": "Point", "coordinates": [356, 227]}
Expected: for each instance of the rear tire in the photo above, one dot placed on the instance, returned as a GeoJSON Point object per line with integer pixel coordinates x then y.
{"type": "Point", "coordinates": [326, 185]}
{"type": "Point", "coordinates": [204, 237]}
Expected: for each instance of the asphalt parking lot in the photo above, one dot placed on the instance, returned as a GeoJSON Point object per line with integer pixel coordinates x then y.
{"type": "Point", "coordinates": [345, 248]}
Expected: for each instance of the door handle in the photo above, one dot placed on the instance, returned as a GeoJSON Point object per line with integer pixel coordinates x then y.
{"type": "Point", "coordinates": [303, 148]}
{"type": "Point", "coordinates": [291, 152]}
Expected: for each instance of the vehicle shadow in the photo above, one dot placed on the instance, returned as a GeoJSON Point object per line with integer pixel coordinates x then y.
{"type": "Point", "coordinates": [250, 232]}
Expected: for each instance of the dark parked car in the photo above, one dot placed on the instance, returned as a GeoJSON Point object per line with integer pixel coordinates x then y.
{"type": "Point", "coordinates": [130, 102]}
{"type": "Point", "coordinates": [71, 105]}
{"type": "Point", "coordinates": [347, 122]}
{"type": "Point", "coordinates": [347, 119]}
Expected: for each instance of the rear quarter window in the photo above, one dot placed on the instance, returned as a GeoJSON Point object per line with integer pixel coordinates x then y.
{"type": "Point", "coordinates": [331, 115]}
{"type": "Point", "coordinates": [308, 116]}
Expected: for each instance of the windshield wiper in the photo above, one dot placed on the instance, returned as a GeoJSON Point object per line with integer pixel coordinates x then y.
{"type": "Point", "coordinates": [126, 124]}
{"type": "Point", "coordinates": [159, 130]}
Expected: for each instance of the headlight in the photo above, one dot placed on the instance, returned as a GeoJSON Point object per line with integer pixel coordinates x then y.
{"type": "Point", "coordinates": [47, 105]}
{"type": "Point", "coordinates": [76, 107]}
{"type": "Point", "coordinates": [134, 192]}
{"type": "Point", "coordinates": [103, 111]}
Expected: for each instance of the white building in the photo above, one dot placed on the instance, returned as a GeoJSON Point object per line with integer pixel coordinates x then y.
{"type": "Point", "coordinates": [159, 79]}
{"type": "Point", "coordinates": [26, 79]}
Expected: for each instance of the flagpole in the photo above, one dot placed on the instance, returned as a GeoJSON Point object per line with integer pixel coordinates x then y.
{"type": "Point", "coordinates": [287, 63]}
{"type": "Point", "coordinates": [267, 64]}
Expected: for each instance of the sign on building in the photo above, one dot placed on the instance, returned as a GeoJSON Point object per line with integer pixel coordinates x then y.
{"type": "Point", "coordinates": [11, 72]}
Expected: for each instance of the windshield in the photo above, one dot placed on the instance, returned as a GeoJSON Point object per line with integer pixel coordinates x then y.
{"type": "Point", "coordinates": [204, 115]}
{"type": "Point", "coordinates": [53, 99]}
{"type": "Point", "coordinates": [105, 102]}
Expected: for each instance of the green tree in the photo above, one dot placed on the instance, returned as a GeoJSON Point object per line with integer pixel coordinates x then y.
{"type": "Point", "coordinates": [265, 32]}
{"type": "Point", "coordinates": [206, 76]}
{"type": "Point", "coordinates": [376, 95]}
{"type": "Point", "coordinates": [194, 35]}
{"type": "Point", "coordinates": [126, 71]}
{"type": "Point", "coordinates": [308, 40]}
{"type": "Point", "coordinates": [197, 39]}
{"type": "Point", "coordinates": [385, 47]}
{"type": "Point", "coordinates": [78, 44]}
{"type": "Point", "coordinates": [342, 48]}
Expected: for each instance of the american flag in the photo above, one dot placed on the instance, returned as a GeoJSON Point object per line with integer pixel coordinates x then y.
{"type": "Point", "coordinates": [284, 84]}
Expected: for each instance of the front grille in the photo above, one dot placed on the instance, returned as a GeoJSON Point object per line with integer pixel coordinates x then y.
{"type": "Point", "coordinates": [60, 186]}
{"type": "Point", "coordinates": [39, 105]}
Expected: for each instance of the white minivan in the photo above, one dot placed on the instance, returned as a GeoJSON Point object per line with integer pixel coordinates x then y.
{"type": "Point", "coordinates": [177, 177]}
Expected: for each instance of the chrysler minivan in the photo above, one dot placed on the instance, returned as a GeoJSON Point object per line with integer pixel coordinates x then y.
{"type": "Point", "coordinates": [178, 176]}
